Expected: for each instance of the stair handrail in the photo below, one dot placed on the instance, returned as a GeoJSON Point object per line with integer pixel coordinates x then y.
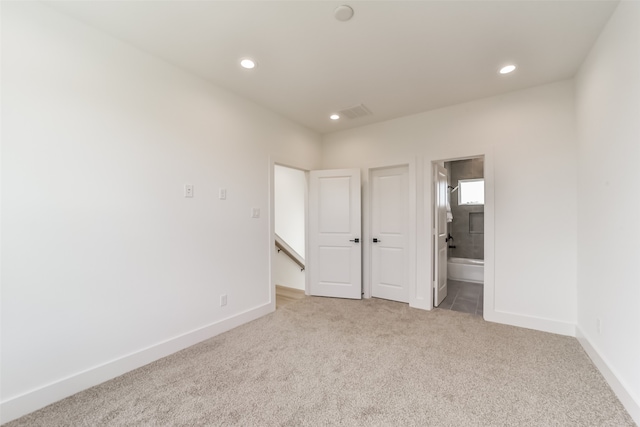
{"type": "Point", "coordinates": [289, 251]}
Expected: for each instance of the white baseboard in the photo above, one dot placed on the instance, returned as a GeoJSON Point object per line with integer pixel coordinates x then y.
{"type": "Point", "coordinates": [421, 303]}
{"type": "Point", "coordinates": [630, 402]}
{"type": "Point", "coordinates": [529, 322]}
{"type": "Point", "coordinates": [33, 400]}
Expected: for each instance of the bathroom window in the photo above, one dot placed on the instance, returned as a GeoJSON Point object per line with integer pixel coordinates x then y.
{"type": "Point", "coordinates": [471, 192]}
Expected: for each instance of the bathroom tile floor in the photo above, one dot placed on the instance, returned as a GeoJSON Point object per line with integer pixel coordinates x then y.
{"type": "Point", "coordinates": [464, 296]}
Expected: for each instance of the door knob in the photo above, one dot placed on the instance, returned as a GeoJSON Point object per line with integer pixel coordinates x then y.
{"type": "Point", "coordinates": [375, 240]}
{"type": "Point", "coordinates": [356, 240]}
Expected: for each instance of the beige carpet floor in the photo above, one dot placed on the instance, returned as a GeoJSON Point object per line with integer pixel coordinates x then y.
{"type": "Point", "coordinates": [322, 361]}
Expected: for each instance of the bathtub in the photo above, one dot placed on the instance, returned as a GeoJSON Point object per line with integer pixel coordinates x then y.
{"type": "Point", "coordinates": [465, 269]}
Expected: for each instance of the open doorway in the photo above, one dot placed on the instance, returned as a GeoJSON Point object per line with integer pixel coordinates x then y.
{"type": "Point", "coordinates": [331, 225]}
{"type": "Point", "coordinates": [459, 221]}
{"type": "Point", "coordinates": [288, 264]}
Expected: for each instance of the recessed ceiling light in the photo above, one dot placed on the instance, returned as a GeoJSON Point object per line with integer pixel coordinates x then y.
{"type": "Point", "coordinates": [507, 69]}
{"type": "Point", "coordinates": [334, 117]}
{"type": "Point", "coordinates": [248, 63]}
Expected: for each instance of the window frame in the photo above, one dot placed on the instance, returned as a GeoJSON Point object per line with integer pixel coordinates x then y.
{"type": "Point", "coordinates": [460, 182]}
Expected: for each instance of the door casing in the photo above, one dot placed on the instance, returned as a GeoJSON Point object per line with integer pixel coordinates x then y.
{"type": "Point", "coordinates": [272, 226]}
{"type": "Point", "coordinates": [489, 309]}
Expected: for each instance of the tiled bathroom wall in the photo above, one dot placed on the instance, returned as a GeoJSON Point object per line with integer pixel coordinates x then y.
{"type": "Point", "coordinates": [467, 227]}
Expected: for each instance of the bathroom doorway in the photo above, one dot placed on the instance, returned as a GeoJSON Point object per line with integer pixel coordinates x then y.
{"type": "Point", "coordinates": [464, 236]}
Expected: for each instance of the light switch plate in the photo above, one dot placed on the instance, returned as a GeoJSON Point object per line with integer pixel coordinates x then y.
{"type": "Point", "coordinates": [188, 190]}
{"type": "Point", "coordinates": [255, 213]}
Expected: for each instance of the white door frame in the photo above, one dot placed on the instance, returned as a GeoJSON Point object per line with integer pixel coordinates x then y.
{"type": "Point", "coordinates": [367, 232]}
{"type": "Point", "coordinates": [489, 229]}
{"type": "Point", "coordinates": [273, 162]}
{"type": "Point", "coordinates": [272, 227]}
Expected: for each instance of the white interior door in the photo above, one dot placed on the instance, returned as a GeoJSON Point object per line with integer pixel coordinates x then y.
{"type": "Point", "coordinates": [334, 262]}
{"type": "Point", "coordinates": [440, 234]}
{"type": "Point", "coordinates": [389, 231]}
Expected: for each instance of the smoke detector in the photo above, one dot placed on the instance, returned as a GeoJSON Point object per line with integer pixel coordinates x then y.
{"type": "Point", "coordinates": [343, 13]}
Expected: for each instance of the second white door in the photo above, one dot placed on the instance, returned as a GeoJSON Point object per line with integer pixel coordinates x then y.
{"type": "Point", "coordinates": [390, 233]}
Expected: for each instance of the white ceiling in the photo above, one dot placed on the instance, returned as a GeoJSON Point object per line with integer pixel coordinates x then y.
{"type": "Point", "coordinates": [396, 57]}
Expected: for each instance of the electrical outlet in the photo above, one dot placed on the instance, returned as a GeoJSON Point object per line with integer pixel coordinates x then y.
{"type": "Point", "coordinates": [188, 190]}
{"type": "Point", "coordinates": [223, 300]}
{"type": "Point", "coordinates": [222, 194]}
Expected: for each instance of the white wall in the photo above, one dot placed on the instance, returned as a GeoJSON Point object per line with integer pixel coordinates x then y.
{"type": "Point", "coordinates": [290, 189]}
{"type": "Point", "coordinates": [530, 142]}
{"type": "Point", "coordinates": [608, 113]}
{"type": "Point", "coordinates": [287, 273]}
{"type": "Point", "coordinates": [106, 265]}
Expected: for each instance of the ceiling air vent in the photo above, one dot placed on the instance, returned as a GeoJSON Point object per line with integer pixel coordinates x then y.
{"type": "Point", "coordinates": [355, 112]}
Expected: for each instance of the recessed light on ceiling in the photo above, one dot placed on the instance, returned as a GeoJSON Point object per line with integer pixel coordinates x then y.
{"type": "Point", "coordinates": [334, 117]}
{"type": "Point", "coordinates": [248, 63]}
{"type": "Point", "coordinates": [507, 69]}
